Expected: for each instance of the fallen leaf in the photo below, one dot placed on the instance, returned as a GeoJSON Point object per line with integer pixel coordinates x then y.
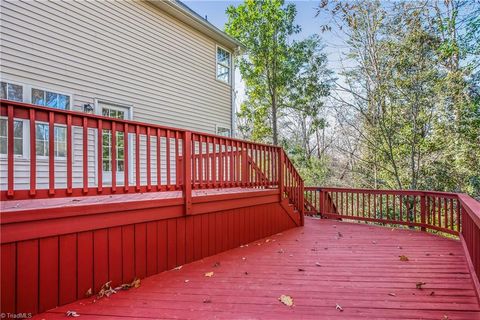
{"type": "Point", "coordinates": [286, 300]}
{"type": "Point", "coordinates": [244, 258]}
{"type": "Point", "coordinates": [318, 264]}
{"type": "Point", "coordinates": [290, 255]}
{"type": "Point", "coordinates": [209, 274]}
{"type": "Point", "coordinates": [339, 307]}
{"type": "Point", "coordinates": [106, 290]}
{"type": "Point", "coordinates": [70, 313]}
{"type": "Point", "coordinates": [392, 294]}
{"type": "Point", "coordinates": [268, 240]}
{"type": "Point", "coordinates": [403, 258]}
{"type": "Point", "coordinates": [89, 293]}
{"type": "Point", "coordinates": [445, 317]}
{"type": "Point", "coordinates": [374, 242]}
{"type": "Point", "coordinates": [207, 301]}
{"type": "Point", "coordinates": [300, 269]}
{"type": "Point", "coordinates": [186, 281]}
{"type": "Point", "coordinates": [419, 285]}
{"type": "Point", "coordinates": [451, 254]}
{"type": "Point", "coordinates": [217, 264]}
{"type": "Point", "coordinates": [280, 251]}
{"type": "Point", "coordinates": [432, 293]}
{"type": "Point", "coordinates": [178, 268]}
{"type": "Point", "coordinates": [339, 234]}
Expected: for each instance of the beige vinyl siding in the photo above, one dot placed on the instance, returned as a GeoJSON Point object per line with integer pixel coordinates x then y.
{"type": "Point", "coordinates": [125, 52]}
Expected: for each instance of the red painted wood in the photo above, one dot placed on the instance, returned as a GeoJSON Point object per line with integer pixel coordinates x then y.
{"type": "Point", "coordinates": [100, 156]}
{"type": "Point", "coordinates": [84, 263]}
{"type": "Point", "coordinates": [189, 243]}
{"type": "Point", "coordinates": [69, 154]}
{"type": "Point", "coordinates": [205, 235]}
{"type": "Point", "coordinates": [8, 276]}
{"type": "Point", "coordinates": [197, 237]}
{"type": "Point", "coordinates": [181, 241]}
{"type": "Point", "coordinates": [126, 157]}
{"type": "Point", "coordinates": [33, 154]}
{"type": "Point", "coordinates": [113, 156]}
{"type": "Point", "coordinates": [140, 250]}
{"type": "Point", "coordinates": [162, 238]}
{"type": "Point", "coordinates": [137, 158]}
{"type": "Point", "coordinates": [171, 243]}
{"type": "Point", "coordinates": [100, 259]}
{"type": "Point", "coordinates": [27, 277]}
{"type": "Point", "coordinates": [85, 154]}
{"type": "Point", "coordinates": [10, 149]}
{"type": "Point", "coordinates": [152, 248]}
{"type": "Point", "coordinates": [115, 271]}
{"type": "Point", "coordinates": [128, 253]}
{"type": "Point", "coordinates": [67, 291]}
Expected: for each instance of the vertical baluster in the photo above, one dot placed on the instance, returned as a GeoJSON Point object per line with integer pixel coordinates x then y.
{"type": "Point", "coordinates": [214, 161]}
{"type": "Point", "coordinates": [167, 141]}
{"type": "Point", "coordinates": [200, 161]}
{"type": "Point", "coordinates": [159, 159]}
{"type": "Point", "coordinates": [85, 154]}
{"type": "Point", "coordinates": [232, 161]}
{"type": "Point", "coordinates": [149, 164]}
{"type": "Point", "coordinates": [10, 151]}
{"type": "Point", "coordinates": [237, 172]}
{"type": "Point", "coordinates": [177, 156]}
{"type": "Point", "coordinates": [450, 226]}
{"type": "Point", "coordinates": [114, 156]}
{"type": "Point", "coordinates": [69, 154]}
{"type": "Point", "coordinates": [33, 154]}
{"type": "Point", "coordinates": [137, 158]}
{"type": "Point", "coordinates": [51, 152]}
{"type": "Point", "coordinates": [207, 162]}
{"type": "Point", "coordinates": [445, 209]}
{"type": "Point", "coordinates": [221, 165]}
{"type": "Point", "coordinates": [126, 157]}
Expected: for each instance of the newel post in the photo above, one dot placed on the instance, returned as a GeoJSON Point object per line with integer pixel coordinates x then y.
{"type": "Point", "coordinates": [423, 211]}
{"type": "Point", "coordinates": [281, 177]}
{"type": "Point", "coordinates": [187, 171]}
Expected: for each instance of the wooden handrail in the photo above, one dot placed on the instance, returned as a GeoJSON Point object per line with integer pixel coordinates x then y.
{"type": "Point", "coordinates": [445, 212]}
{"type": "Point", "coordinates": [155, 158]}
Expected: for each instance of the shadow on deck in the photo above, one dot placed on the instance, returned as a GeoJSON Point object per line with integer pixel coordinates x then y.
{"type": "Point", "coordinates": [325, 266]}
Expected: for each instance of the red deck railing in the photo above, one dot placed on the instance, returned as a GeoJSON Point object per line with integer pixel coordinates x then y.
{"type": "Point", "coordinates": [106, 155]}
{"type": "Point", "coordinates": [451, 213]}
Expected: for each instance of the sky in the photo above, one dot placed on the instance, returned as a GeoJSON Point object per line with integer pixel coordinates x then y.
{"type": "Point", "coordinates": [214, 11]}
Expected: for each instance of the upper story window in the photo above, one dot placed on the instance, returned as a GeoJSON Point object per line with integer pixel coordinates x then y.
{"type": "Point", "coordinates": [224, 62]}
{"type": "Point", "coordinates": [11, 91]}
{"type": "Point", "coordinates": [50, 99]}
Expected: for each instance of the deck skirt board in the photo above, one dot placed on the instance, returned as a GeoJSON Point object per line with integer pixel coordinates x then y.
{"type": "Point", "coordinates": [360, 270]}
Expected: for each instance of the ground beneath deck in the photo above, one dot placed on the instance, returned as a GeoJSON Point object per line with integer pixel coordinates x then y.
{"type": "Point", "coordinates": [326, 267]}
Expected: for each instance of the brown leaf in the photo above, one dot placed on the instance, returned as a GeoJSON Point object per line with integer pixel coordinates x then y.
{"type": "Point", "coordinates": [392, 294]}
{"type": "Point", "coordinates": [286, 300]}
{"type": "Point", "coordinates": [246, 273]}
{"type": "Point", "coordinates": [207, 301]}
{"type": "Point", "coordinates": [403, 258]}
{"type": "Point", "coordinates": [178, 268]}
{"type": "Point", "coordinates": [432, 293]}
{"type": "Point", "coordinates": [300, 269]}
{"type": "Point", "coordinates": [339, 307]}
{"type": "Point", "coordinates": [419, 285]}
{"type": "Point", "coordinates": [217, 264]}
{"type": "Point", "coordinates": [318, 264]}
{"type": "Point", "coordinates": [71, 313]}
{"type": "Point", "coordinates": [89, 293]}
{"type": "Point", "coordinates": [209, 274]}
{"type": "Point", "coordinates": [106, 290]}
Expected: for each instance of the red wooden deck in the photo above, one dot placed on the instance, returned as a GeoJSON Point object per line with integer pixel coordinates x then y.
{"type": "Point", "coordinates": [322, 265]}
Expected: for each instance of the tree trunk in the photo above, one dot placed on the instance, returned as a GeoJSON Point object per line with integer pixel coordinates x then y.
{"type": "Point", "coordinates": [274, 120]}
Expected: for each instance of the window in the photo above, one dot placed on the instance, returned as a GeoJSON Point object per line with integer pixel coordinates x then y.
{"type": "Point", "coordinates": [11, 91]}
{"type": "Point", "coordinates": [221, 131]}
{"type": "Point", "coordinates": [50, 99]}
{"type": "Point", "coordinates": [113, 113]}
{"type": "Point", "coordinates": [223, 65]}
{"type": "Point", "coordinates": [42, 138]}
{"type": "Point", "coordinates": [17, 137]}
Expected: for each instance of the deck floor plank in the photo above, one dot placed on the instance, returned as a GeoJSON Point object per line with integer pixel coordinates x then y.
{"type": "Point", "coordinates": [323, 264]}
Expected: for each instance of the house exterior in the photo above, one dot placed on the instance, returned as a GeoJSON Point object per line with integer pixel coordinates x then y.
{"type": "Point", "coordinates": [151, 61]}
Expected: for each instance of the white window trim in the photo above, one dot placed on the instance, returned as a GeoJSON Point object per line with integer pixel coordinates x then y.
{"type": "Point", "coordinates": [25, 89]}
{"type": "Point", "coordinates": [29, 96]}
{"type": "Point", "coordinates": [26, 140]}
{"type": "Point", "coordinates": [217, 127]}
{"type": "Point", "coordinates": [229, 83]}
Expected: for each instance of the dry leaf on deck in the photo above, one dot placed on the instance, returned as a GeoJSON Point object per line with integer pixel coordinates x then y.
{"type": "Point", "coordinates": [419, 285]}
{"type": "Point", "coordinates": [106, 290]}
{"type": "Point", "coordinates": [286, 300]}
{"type": "Point", "coordinates": [89, 293]}
{"type": "Point", "coordinates": [392, 294]}
{"type": "Point", "coordinates": [209, 274]}
{"type": "Point", "coordinates": [300, 269]}
{"type": "Point", "coordinates": [178, 268]}
{"type": "Point", "coordinates": [318, 264]}
{"type": "Point", "coordinates": [403, 258]}
{"type": "Point", "coordinates": [339, 307]}
{"type": "Point", "coordinates": [70, 313]}
{"type": "Point", "coordinates": [217, 264]}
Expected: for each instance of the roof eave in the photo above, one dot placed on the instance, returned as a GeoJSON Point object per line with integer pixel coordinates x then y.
{"type": "Point", "coordinates": [183, 13]}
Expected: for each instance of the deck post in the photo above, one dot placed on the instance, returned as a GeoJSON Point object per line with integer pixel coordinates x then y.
{"type": "Point", "coordinates": [281, 177]}
{"type": "Point", "coordinates": [322, 202]}
{"type": "Point", "coordinates": [187, 171]}
{"type": "Point", "coordinates": [423, 211]}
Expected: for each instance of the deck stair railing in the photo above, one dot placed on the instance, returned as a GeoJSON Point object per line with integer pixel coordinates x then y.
{"type": "Point", "coordinates": [97, 155]}
{"type": "Point", "coordinates": [441, 212]}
